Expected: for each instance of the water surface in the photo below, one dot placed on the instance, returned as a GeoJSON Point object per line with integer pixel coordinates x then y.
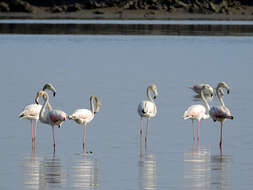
{"type": "Point", "coordinates": [118, 69]}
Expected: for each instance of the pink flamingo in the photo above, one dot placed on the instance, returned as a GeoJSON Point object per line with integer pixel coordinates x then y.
{"type": "Point", "coordinates": [32, 111]}
{"type": "Point", "coordinates": [199, 112]}
{"type": "Point", "coordinates": [221, 113]}
{"type": "Point", "coordinates": [147, 109]}
{"type": "Point", "coordinates": [52, 117]}
{"type": "Point", "coordinates": [84, 116]}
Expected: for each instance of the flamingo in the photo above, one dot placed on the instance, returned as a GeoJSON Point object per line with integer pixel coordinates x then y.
{"type": "Point", "coordinates": [84, 116]}
{"type": "Point", "coordinates": [32, 111]}
{"type": "Point", "coordinates": [199, 112]}
{"type": "Point", "coordinates": [221, 113]}
{"type": "Point", "coordinates": [147, 108]}
{"type": "Point", "coordinates": [52, 117]}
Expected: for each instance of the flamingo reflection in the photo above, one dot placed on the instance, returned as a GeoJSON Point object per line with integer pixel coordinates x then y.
{"type": "Point", "coordinates": [147, 172]}
{"type": "Point", "coordinates": [31, 171]}
{"type": "Point", "coordinates": [85, 173]}
{"type": "Point", "coordinates": [197, 167]}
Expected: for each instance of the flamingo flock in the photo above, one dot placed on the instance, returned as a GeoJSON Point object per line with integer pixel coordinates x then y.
{"type": "Point", "coordinates": [217, 113]}
{"type": "Point", "coordinates": [146, 109]}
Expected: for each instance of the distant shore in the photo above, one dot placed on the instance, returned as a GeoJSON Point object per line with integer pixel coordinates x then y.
{"type": "Point", "coordinates": [127, 9]}
{"type": "Point", "coordinates": [114, 13]}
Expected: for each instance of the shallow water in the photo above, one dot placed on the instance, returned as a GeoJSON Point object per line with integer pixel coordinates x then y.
{"type": "Point", "coordinates": [118, 68]}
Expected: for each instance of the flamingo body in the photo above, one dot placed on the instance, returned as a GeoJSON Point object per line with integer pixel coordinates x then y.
{"type": "Point", "coordinates": [56, 117]}
{"type": "Point", "coordinates": [220, 113]}
{"type": "Point", "coordinates": [82, 116]}
{"type": "Point", "coordinates": [197, 112]}
{"type": "Point", "coordinates": [31, 112]}
{"type": "Point", "coordinates": [147, 109]}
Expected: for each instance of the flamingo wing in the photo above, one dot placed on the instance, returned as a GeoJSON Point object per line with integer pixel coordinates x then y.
{"type": "Point", "coordinates": [194, 111]}
{"type": "Point", "coordinates": [57, 116]}
{"type": "Point", "coordinates": [82, 114]}
{"type": "Point", "coordinates": [31, 110]}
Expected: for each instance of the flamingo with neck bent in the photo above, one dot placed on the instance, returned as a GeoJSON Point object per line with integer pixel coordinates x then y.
{"type": "Point", "coordinates": [221, 113]}
{"type": "Point", "coordinates": [52, 117]}
{"type": "Point", "coordinates": [199, 112]}
{"type": "Point", "coordinates": [84, 116]}
{"type": "Point", "coordinates": [32, 111]}
{"type": "Point", "coordinates": [147, 109]}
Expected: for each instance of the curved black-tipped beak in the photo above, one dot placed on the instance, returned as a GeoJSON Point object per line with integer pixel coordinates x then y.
{"type": "Point", "coordinates": [211, 95]}
{"type": "Point", "coordinates": [155, 97]}
{"type": "Point", "coordinates": [228, 91]}
{"type": "Point", "coordinates": [36, 101]}
{"type": "Point", "coordinates": [54, 94]}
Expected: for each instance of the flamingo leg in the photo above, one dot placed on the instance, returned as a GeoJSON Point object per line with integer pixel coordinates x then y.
{"type": "Point", "coordinates": [198, 130]}
{"type": "Point", "coordinates": [53, 137]}
{"type": "Point", "coordinates": [146, 136]}
{"type": "Point", "coordinates": [84, 135]}
{"type": "Point", "coordinates": [141, 126]}
{"type": "Point", "coordinates": [32, 130]}
{"type": "Point", "coordinates": [36, 125]}
{"type": "Point", "coordinates": [141, 138]}
{"type": "Point", "coordinates": [221, 135]}
{"type": "Point", "coordinates": [193, 129]}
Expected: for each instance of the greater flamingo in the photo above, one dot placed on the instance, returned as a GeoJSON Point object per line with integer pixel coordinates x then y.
{"type": "Point", "coordinates": [199, 112]}
{"type": "Point", "coordinates": [52, 117]}
{"type": "Point", "coordinates": [32, 111]}
{"type": "Point", "coordinates": [221, 113]}
{"type": "Point", "coordinates": [84, 116]}
{"type": "Point", "coordinates": [147, 109]}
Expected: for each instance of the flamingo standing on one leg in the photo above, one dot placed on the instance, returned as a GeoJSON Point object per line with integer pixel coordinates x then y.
{"type": "Point", "coordinates": [32, 111]}
{"type": "Point", "coordinates": [199, 112]}
{"type": "Point", "coordinates": [147, 108]}
{"type": "Point", "coordinates": [84, 116]}
{"type": "Point", "coordinates": [221, 113]}
{"type": "Point", "coordinates": [52, 117]}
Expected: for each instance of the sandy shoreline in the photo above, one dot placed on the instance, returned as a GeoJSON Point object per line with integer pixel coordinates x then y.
{"type": "Point", "coordinates": [114, 13]}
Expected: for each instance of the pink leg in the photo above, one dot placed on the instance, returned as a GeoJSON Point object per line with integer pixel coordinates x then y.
{"type": "Point", "coordinates": [221, 135]}
{"type": "Point", "coordinates": [84, 135]}
{"type": "Point", "coordinates": [146, 136]}
{"type": "Point", "coordinates": [53, 137]}
{"type": "Point", "coordinates": [198, 130]}
{"type": "Point", "coordinates": [193, 129]}
{"type": "Point", "coordinates": [32, 130]}
{"type": "Point", "coordinates": [36, 124]}
{"type": "Point", "coordinates": [141, 127]}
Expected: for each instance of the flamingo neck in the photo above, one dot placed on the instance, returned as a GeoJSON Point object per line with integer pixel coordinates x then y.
{"type": "Point", "coordinates": [219, 96]}
{"type": "Point", "coordinates": [149, 95]}
{"type": "Point", "coordinates": [43, 116]}
{"type": "Point", "coordinates": [92, 104]}
{"type": "Point", "coordinates": [204, 100]}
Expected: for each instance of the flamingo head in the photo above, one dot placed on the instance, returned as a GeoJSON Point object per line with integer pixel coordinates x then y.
{"type": "Point", "coordinates": [49, 87]}
{"type": "Point", "coordinates": [154, 90]}
{"type": "Point", "coordinates": [40, 93]}
{"type": "Point", "coordinates": [224, 85]}
{"type": "Point", "coordinates": [207, 88]}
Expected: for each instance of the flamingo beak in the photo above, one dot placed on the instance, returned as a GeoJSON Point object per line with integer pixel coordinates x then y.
{"type": "Point", "coordinates": [155, 97]}
{"type": "Point", "coordinates": [228, 91]}
{"type": "Point", "coordinates": [211, 95]}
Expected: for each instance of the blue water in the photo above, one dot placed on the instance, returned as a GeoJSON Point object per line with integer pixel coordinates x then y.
{"type": "Point", "coordinates": [118, 69]}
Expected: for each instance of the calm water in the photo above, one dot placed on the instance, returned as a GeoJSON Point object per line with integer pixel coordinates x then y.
{"type": "Point", "coordinates": [118, 68]}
